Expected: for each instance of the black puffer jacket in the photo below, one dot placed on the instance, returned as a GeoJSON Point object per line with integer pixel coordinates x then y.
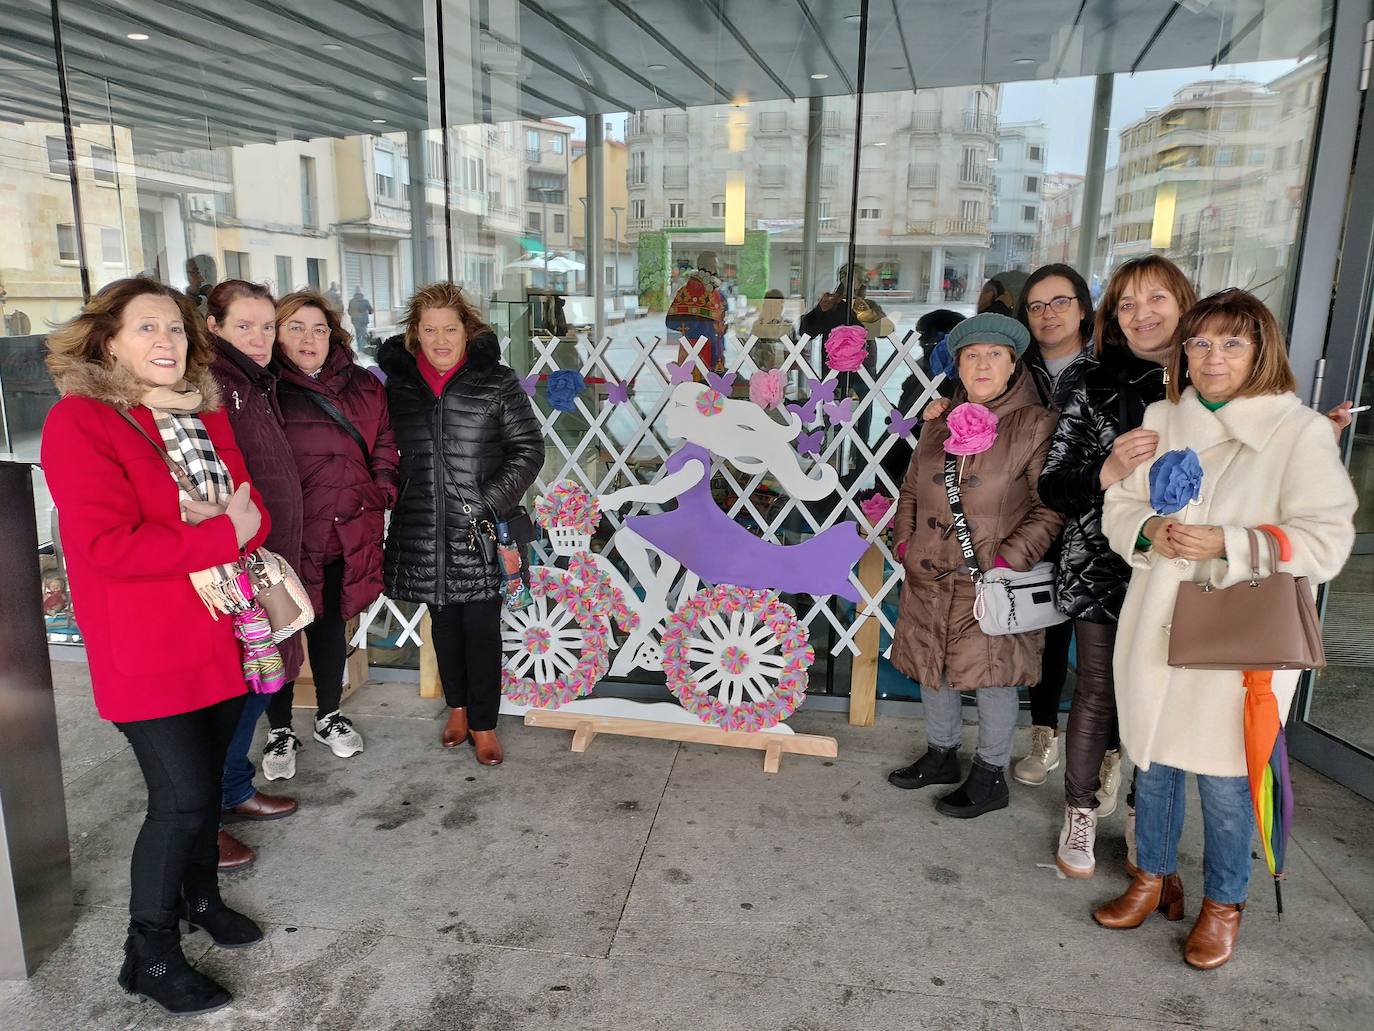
{"type": "Point", "coordinates": [476, 445]}
{"type": "Point", "coordinates": [1111, 399]}
{"type": "Point", "coordinates": [1056, 391]}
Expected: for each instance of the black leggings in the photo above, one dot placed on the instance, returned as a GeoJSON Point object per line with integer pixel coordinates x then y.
{"type": "Point", "coordinates": [1054, 667]}
{"type": "Point", "coordinates": [327, 645]}
{"type": "Point", "coordinates": [177, 851]}
{"type": "Point", "coordinates": [467, 643]}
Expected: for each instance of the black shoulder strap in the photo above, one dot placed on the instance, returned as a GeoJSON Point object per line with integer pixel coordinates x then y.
{"type": "Point", "coordinates": [956, 508]}
{"type": "Point", "coordinates": [332, 410]}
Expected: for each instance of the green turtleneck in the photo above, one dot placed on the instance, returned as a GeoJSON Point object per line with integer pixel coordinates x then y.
{"type": "Point", "coordinates": [1213, 406]}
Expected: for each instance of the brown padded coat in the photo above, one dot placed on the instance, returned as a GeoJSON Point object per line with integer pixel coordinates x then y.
{"type": "Point", "coordinates": [936, 631]}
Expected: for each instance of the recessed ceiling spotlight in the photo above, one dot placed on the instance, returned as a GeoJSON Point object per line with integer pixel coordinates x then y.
{"type": "Point", "coordinates": [331, 46]}
{"type": "Point", "coordinates": [853, 17]}
{"type": "Point", "coordinates": [138, 37]}
{"type": "Point", "coordinates": [379, 121]}
{"type": "Point", "coordinates": [248, 89]}
{"type": "Point", "coordinates": [657, 67]}
{"type": "Point", "coordinates": [880, 143]}
{"type": "Point", "coordinates": [417, 78]}
{"type": "Point", "coordinates": [819, 75]}
{"type": "Point", "coordinates": [1024, 60]}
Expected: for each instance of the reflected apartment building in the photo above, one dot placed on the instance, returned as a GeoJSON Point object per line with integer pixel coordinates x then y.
{"type": "Point", "coordinates": [924, 187]}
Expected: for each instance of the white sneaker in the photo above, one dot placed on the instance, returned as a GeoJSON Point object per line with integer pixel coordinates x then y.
{"type": "Point", "coordinates": [1076, 839]}
{"type": "Point", "coordinates": [1132, 859]}
{"type": "Point", "coordinates": [1043, 757]}
{"type": "Point", "coordinates": [279, 754]}
{"type": "Point", "coordinates": [1109, 779]}
{"type": "Point", "coordinates": [336, 731]}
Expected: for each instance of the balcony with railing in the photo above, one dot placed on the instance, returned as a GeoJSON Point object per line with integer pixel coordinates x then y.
{"type": "Point", "coordinates": [634, 125]}
{"type": "Point", "coordinates": [200, 165]}
{"type": "Point", "coordinates": [834, 122]}
{"type": "Point", "coordinates": [979, 122]}
{"type": "Point", "coordinates": [947, 227]}
{"type": "Point", "coordinates": [674, 222]}
{"type": "Point", "coordinates": [925, 121]}
{"type": "Point", "coordinates": [974, 175]}
{"type": "Point", "coordinates": [639, 225]}
{"type": "Point", "coordinates": [773, 121]}
{"type": "Point", "coordinates": [922, 176]}
{"type": "Point", "coordinates": [675, 126]}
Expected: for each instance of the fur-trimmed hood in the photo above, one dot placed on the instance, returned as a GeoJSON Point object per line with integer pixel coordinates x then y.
{"type": "Point", "coordinates": [115, 385]}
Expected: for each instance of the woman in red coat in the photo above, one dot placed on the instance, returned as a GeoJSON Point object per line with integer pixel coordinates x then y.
{"type": "Point", "coordinates": [340, 434]}
{"type": "Point", "coordinates": [165, 668]}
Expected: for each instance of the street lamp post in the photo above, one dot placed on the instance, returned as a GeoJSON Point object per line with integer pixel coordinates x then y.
{"type": "Point", "coordinates": [616, 212]}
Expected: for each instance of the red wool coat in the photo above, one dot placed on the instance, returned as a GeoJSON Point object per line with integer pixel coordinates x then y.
{"type": "Point", "coordinates": [152, 646]}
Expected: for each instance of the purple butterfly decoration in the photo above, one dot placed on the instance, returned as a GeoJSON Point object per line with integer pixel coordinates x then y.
{"type": "Point", "coordinates": [806, 411]}
{"type": "Point", "coordinates": [839, 411]}
{"type": "Point", "coordinates": [617, 393]}
{"type": "Point", "coordinates": [679, 373]}
{"type": "Point", "coordinates": [722, 381]}
{"type": "Point", "coordinates": [821, 389]}
{"type": "Point", "coordinates": [529, 383]}
{"type": "Point", "coordinates": [810, 443]}
{"type": "Point", "coordinates": [899, 425]}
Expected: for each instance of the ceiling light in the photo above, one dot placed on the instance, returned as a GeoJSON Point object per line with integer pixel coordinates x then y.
{"type": "Point", "coordinates": [853, 17]}
{"type": "Point", "coordinates": [138, 37]}
{"type": "Point", "coordinates": [248, 89]}
{"type": "Point", "coordinates": [1024, 60]}
{"type": "Point", "coordinates": [379, 121]}
{"type": "Point", "coordinates": [819, 75]}
{"type": "Point", "coordinates": [417, 78]}
{"type": "Point", "coordinates": [331, 46]}
{"type": "Point", "coordinates": [657, 67]}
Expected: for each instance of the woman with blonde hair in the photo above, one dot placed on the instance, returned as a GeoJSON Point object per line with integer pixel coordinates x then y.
{"type": "Point", "coordinates": [470, 448]}
{"type": "Point", "coordinates": [145, 549]}
{"type": "Point", "coordinates": [1260, 458]}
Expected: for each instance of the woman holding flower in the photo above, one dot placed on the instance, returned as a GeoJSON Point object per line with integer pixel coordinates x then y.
{"type": "Point", "coordinates": [1237, 449]}
{"type": "Point", "coordinates": [993, 443]}
{"type": "Point", "coordinates": [470, 448]}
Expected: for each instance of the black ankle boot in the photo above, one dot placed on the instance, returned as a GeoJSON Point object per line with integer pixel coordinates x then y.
{"type": "Point", "coordinates": [937, 766]}
{"type": "Point", "coordinates": [155, 968]}
{"type": "Point", "coordinates": [983, 791]}
{"type": "Point", "coordinates": [229, 928]}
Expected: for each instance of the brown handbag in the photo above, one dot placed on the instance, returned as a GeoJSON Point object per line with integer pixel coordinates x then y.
{"type": "Point", "coordinates": [1264, 623]}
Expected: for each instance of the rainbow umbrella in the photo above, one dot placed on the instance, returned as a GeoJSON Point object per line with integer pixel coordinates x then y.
{"type": "Point", "coordinates": [1266, 760]}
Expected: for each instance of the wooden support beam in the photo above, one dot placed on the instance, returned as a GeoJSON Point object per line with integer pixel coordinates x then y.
{"type": "Point", "coordinates": [863, 681]}
{"type": "Point", "coordinates": [429, 662]}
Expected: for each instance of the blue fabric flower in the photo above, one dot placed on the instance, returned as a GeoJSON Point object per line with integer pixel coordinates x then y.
{"type": "Point", "coordinates": [941, 361]}
{"type": "Point", "coordinates": [1175, 480]}
{"type": "Point", "coordinates": [564, 386]}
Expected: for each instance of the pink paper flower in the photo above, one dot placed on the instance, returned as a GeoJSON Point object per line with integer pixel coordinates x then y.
{"type": "Point", "coordinates": [972, 429]}
{"type": "Point", "coordinates": [874, 507]}
{"type": "Point", "coordinates": [846, 348]}
{"type": "Point", "coordinates": [765, 388]}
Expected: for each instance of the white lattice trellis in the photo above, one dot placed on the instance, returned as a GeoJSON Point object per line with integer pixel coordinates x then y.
{"type": "Point", "coordinates": [614, 440]}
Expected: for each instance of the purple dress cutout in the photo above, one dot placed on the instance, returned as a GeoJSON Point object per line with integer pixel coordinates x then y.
{"type": "Point", "coordinates": [720, 551]}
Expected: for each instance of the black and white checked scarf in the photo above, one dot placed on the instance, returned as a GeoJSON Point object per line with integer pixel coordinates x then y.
{"type": "Point", "coordinates": [189, 445]}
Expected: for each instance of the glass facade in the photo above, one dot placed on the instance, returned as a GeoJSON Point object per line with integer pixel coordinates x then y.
{"type": "Point", "coordinates": [568, 162]}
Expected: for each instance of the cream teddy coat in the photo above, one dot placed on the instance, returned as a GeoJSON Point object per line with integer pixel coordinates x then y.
{"type": "Point", "coordinates": [1265, 460]}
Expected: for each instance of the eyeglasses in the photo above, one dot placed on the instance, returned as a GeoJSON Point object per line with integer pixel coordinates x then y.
{"type": "Point", "coordinates": [320, 332]}
{"type": "Point", "coordinates": [1058, 305]}
{"type": "Point", "coordinates": [1231, 348]}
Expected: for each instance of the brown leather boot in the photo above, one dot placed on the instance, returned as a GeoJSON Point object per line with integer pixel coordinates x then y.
{"type": "Point", "coordinates": [234, 854]}
{"type": "Point", "coordinates": [262, 806]}
{"type": "Point", "coordinates": [488, 747]}
{"type": "Point", "coordinates": [456, 729]}
{"type": "Point", "coordinates": [1213, 937]}
{"type": "Point", "coordinates": [1147, 893]}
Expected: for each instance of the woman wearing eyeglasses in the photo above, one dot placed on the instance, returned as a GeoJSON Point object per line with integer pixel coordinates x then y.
{"type": "Point", "coordinates": [340, 433]}
{"type": "Point", "coordinates": [1266, 459]}
{"type": "Point", "coordinates": [1056, 306]}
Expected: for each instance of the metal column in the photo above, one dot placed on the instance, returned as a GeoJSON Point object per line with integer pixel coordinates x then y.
{"type": "Point", "coordinates": [1096, 174]}
{"type": "Point", "coordinates": [815, 110]}
{"type": "Point", "coordinates": [596, 220]}
{"type": "Point", "coordinates": [35, 866]}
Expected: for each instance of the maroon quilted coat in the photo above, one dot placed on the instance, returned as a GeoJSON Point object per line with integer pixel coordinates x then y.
{"type": "Point", "coordinates": [346, 495]}
{"type": "Point", "coordinates": [250, 400]}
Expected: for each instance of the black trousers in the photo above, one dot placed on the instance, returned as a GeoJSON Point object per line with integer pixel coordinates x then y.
{"type": "Point", "coordinates": [327, 645]}
{"type": "Point", "coordinates": [1054, 667]}
{"type": "Point", "coordinates": [1092, 717]}
{"type": "Point", "coordinates": [467, 643]}
{"type": "Point", "coordinates": [176, 852]}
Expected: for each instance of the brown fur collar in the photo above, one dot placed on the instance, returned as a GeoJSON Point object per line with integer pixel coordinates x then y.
{"type": "Point", "coordinates": [114, 385]}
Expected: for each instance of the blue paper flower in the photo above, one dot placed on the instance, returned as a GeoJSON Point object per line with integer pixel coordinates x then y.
{"type": "Point", "coordinates": [941, 361]}
{"type": "Point", "coordinates": [1175, 480]}
{"type": "Point", "coordinates": [564, 386]}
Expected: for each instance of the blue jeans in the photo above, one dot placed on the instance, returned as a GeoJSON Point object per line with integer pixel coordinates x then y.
{"type": "Point", "coordinates": [238, 768]}
{"type": "Point", "coordinates": [1228, 821]}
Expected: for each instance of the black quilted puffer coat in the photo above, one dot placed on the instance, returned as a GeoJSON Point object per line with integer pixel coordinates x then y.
{"type": "Point", "coordinates": [477, 446]}
{"type": "Point", "coordinates": [1110, 399]}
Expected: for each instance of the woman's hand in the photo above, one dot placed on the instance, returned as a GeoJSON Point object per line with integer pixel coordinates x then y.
{"type": "Point", "coordinates": [1130, 450]}
{"type": "Point", "coordinates": [935, 409]}
{"type": "Point", "coordinates": [196, 512]}
{"type": "Point", "coordinates": [1341, 417]}
{"type": "Point", "coordinates": [1156, 531]}
{"type": "Point", "coordinates": [243, 514]}
{"type": "Point", "coordinates": [1197, 543]}
{"type": "Point", "coordinates": [901, 551]}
